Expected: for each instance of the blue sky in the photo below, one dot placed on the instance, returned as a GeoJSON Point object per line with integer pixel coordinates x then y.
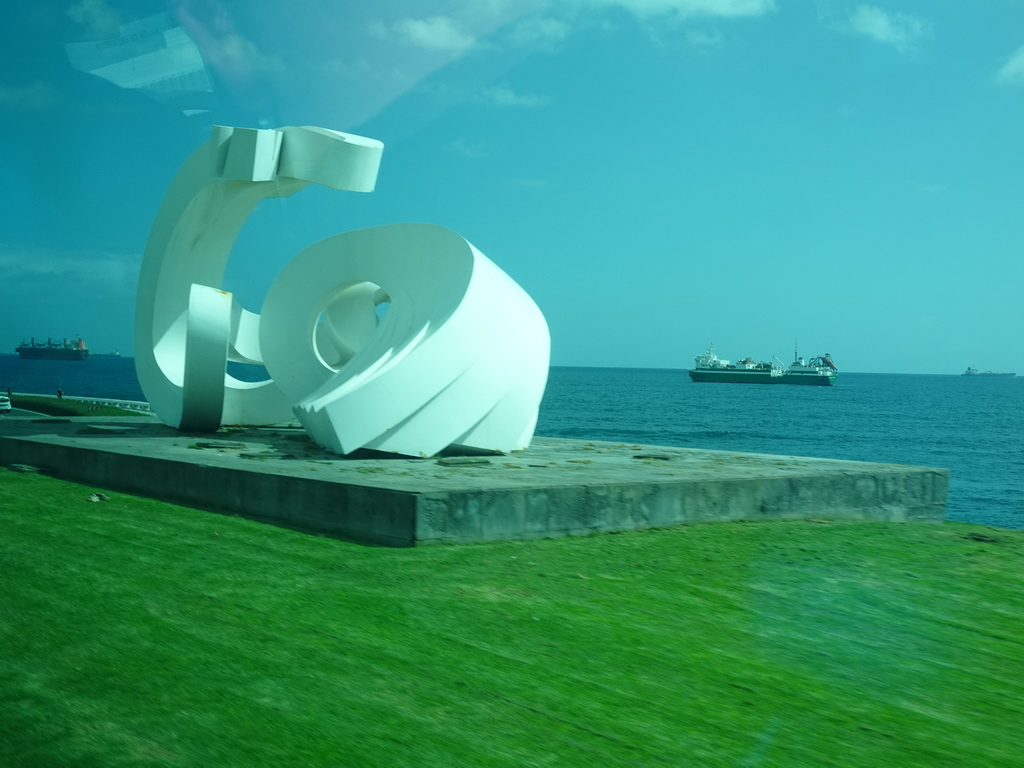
{"type": "Point", "coordinates": [657, 174]}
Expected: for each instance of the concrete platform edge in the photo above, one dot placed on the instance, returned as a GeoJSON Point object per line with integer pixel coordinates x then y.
{"type": "Point", "coordinates": [568, 505]}
{"type": "Point", "coordinates": [353, 513]}
{"type": "Point", "coordinates": [912, 494]}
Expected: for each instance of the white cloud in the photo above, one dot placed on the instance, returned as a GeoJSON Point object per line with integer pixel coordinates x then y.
{"type": "Point", "coordinates": [99, 19]}
{"type": "Point", "coordinates": [436, 33]}
{"type": "Point", "coordinates": [239, 54]}
{"type": "Point", "coordinates": [896, 29]}
{"type": "Point", "coordinates": [504, 96]}
{"type": "Point", "coordinates": [1012, 72]}
{"type": "Point", "coordinates": [688, 8]}
{"type": "Point", "coordinates": [704, 38]}
{"type": "Point", "coordinates": [470, 149]}
{"type": "Point", "coordinates": [546, 23]}
{"type": "Point", "coordinates": [539, 30]}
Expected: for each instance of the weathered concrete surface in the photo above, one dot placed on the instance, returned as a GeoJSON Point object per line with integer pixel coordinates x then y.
{"type": "Point", "coordinates": [555, 488]}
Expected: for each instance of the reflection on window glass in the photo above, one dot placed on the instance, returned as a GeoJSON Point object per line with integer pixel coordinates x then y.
{"type": "Point", "coordinates": [634, 164]}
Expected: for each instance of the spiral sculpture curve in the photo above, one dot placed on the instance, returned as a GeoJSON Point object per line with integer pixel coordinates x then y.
{"type": "Point", "coordinates": [459, 357]}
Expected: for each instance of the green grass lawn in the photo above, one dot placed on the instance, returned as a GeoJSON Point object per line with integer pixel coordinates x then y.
{"type": "Point", "coordinates": [138, 633]}
{"type": "Point", "coordinates": [52, 406]}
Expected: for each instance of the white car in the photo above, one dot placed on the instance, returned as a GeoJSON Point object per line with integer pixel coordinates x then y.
{"type": "Point", "coordinates": [5, 404]}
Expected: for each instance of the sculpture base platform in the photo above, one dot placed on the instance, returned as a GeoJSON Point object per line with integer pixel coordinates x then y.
{"type": "Point", "coordinates": [555, 488]}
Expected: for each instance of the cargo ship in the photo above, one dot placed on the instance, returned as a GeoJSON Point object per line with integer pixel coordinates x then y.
{"type": "Point", "coordinates": [65, 349]}
{"type": "Point", "coordinates": [976, 372]}
{"type": "Point", "coordinates": [818, 371]}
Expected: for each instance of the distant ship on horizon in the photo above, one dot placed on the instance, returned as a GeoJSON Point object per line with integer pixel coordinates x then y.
{"type": "Point", "coordinates": [74, 349]}
{"type": "Point", "coordinates": [709, 367]}
{"type": "Point", "coordinates": [975, 372]}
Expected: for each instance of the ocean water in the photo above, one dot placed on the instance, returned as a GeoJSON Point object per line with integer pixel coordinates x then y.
{"type": "Point", "coordinates": [972, 426]}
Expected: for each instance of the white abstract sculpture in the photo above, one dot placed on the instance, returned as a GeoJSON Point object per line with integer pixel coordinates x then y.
{"type": "Point", "coordinates": [459, 358]}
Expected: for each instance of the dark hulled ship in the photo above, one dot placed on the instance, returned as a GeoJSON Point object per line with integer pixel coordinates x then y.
{"type": "Point", "coordinates": [65, 349]}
